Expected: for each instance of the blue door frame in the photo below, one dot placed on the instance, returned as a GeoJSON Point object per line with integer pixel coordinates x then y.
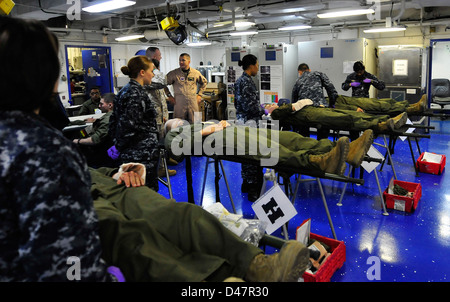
{"type": "Point", "coordinates": [430, 64]}
{"type": "Point", "coordinates": [107, 50]}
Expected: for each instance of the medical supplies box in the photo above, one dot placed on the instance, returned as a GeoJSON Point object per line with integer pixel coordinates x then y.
{"type": "Point", "coordinates": [332, 262]}
{"type": "Point", "coordinates": [406, 203]}
{"type": "Point", "coordinates": [432, 163]}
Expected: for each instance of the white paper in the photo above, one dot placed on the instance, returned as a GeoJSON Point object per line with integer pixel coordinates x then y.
{"type": "Point", "coordinates": [410, 130]}
{"type": "Point", "coordinates": [400, 67]}
{"type": "Point", "coordinates": [391, 186]}
{"type": "Point", "coordinates": [348, 66]}
{"type": "Point", "coordinates": [374, 153]}
{"type": "Point", "coordinates": [303, 232]}
{"type": "Point", "coordinates": [431, 157]}
{"type": "Point", "coordinates": [399, 205]}
{"type": "Point", "coordinates": [275, 208]}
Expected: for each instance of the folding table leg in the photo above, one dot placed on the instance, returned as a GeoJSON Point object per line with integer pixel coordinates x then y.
{"type": "Point", "coordinates": [326, 208]}
{"type": "Point", "coordinates": [345, 189]}
{"type": "Point", "coordinates": [385, 213]}
{"type": "Point", "coordinates": [228, 187]}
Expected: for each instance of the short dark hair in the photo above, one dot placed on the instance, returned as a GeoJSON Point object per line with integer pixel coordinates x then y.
{"type": "Point", "coordinates": [247, 61]}
{"type": "Point", "coordinates": [151, 51]}
{"type": "Point", "coordinates": [358, 66]}
{"type": "Point", "coordinates": [29, 56]}
{"type": "Point", "coordinates": [303, 67]}
{"type": "Point", "coordinates": [108, 97]}
{"type": "Point", "coordinates": [185, 55]}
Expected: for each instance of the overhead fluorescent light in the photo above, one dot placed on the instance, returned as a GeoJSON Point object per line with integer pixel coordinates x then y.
{"type": "Point", "coordinates": [384, 29]}
{"type": "Point", "coordinates": [243, 33]}
{"type": "Point", "coordinates": [237, 23]}
{"type": "Point", "coordinates": [243, 23]}
{"type": "Point", "coordinates": [108, 5]}
{"type": "Point", "coordinates": [346, 13]}
{"type": "Point", "coordinates": [129, 38]}
{"type": "Point", "coordinates": [294, 27]}
{"type": "Point", "coordinates": [198, 44]}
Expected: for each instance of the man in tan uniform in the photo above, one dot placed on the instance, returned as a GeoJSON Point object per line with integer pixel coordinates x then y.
{"type": "Point", "coordinates": [188, 85]}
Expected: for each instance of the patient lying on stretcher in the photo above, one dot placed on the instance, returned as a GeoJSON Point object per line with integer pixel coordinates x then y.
{"type": "Point", "coordinates": [283, 149]}
{"type": "Point", "coordinates": [386, 105]}
{"type": "Point", "coordinates": [302, 114]}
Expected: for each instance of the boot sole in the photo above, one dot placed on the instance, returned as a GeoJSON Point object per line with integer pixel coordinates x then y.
{"type": "Point", "coordinates": [344, 146]}
{"type": "Point", "coordinates": [402, 121]}
{"type": "Point", "coordinates": [297, 263]}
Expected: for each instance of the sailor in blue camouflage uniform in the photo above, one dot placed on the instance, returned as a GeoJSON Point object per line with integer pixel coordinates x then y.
{"type": "Point", "coordinates": [248, 109]}
{"type": "Point", "coordinates": [360, 81]}
{"type": "Point", "coordinates": [310, 85]}
{"type": "Point", "coordinates": [46, 209]}
{"type": "Point", "coordinates": [133, 122]}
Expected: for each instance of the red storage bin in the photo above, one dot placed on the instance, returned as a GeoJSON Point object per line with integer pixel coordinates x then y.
{"type": "Point", "coordinates": [429, 167]}
{"type": "Point", "coordinates": [331, 264]}
{"type": "Point", "coordinates": [403, 203]}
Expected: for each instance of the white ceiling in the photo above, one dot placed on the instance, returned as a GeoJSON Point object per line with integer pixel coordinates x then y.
{"type": "Point", "coordinates": [202, 14]}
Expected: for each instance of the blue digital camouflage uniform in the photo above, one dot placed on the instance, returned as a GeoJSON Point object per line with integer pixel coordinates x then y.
{"type": "Point", "coordinates": [310, 86]}
{"type": "Point", "coordinates": [134, 129]}
{"type": "Point", "coordinates": [248, 108]}
{"type": "Point", "coordinates": [363, 89]}
{"type": "Point", "coordinates": [247, 100]}
{"type": "Point", "coordinates": [46, 208]}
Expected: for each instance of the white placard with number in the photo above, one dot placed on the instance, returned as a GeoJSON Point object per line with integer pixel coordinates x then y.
{"type": "Point", "coordinates": [275, 208]}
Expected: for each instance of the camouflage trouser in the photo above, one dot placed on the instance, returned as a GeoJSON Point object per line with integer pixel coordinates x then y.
{"type": "Point", "coordinates": [371, 104]}
{"type": "Point", "coordinates": [151, 238]}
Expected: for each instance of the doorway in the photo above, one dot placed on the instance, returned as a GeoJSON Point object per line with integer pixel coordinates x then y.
{"type": "Point", "coordinates": [439, 74]}
{"type": "Point", "coordinates": [88, 67]}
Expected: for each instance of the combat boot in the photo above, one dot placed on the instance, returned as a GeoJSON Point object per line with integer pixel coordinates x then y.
{"type": "Point", "coordinates": [418, 107]}
{"type": "Point", "coordinates": [359, 148]}
{"type": "Point", "coordinates": [400, 120]}
{"type": "Point", "coordinates": [333, 161]}
{"type": "Point", "coordinates": [286, 266]}
{"type": "Point", "coordinates": [386, 126]}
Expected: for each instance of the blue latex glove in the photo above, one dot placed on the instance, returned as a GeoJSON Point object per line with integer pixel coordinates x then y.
{"type": "Point", "coordinates": [367, 81]}
{"type": "Point", "coordinates": [355, 84]}
{"type": "Point", "coordinates": [115, 271]}
{"type": "Point", "coordinates": [113, 152]}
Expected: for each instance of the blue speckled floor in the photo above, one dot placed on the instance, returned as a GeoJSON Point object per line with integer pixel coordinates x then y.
{"type": "Point", "coordinates": [410, 246]}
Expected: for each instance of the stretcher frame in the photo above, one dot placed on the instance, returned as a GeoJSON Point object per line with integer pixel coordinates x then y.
{"type": "Point", "coordinates": [317, 175]}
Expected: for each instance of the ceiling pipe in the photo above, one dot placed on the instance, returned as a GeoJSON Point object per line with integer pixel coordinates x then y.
{"type": "Point", "coordinates": [400, 14]}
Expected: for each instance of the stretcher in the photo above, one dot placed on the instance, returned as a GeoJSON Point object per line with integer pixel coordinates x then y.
{"type": "Point", "coordinates": [217, 161]}
{"type": "Point", "coordinates": [393, 137]}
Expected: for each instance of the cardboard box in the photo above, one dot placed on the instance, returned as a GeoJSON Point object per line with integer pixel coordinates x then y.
{"type": "Point", "coordinates": [403, 203]}
{"type": "Point", "coordinates": [436, 166]}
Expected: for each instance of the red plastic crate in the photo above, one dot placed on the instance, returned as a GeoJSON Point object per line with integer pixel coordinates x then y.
{"type": "Point", "coordinates": [428, 167]}
{"type": "Point", "coordinates": [397, 202]}
{"type": "Point", "coordinates": [331, 264]}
